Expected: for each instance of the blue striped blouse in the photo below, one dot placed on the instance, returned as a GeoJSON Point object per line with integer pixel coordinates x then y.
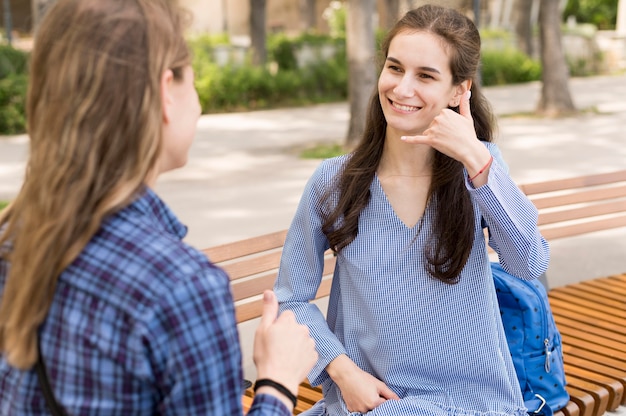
{"type": "Point", "coordinates": [440, 347]}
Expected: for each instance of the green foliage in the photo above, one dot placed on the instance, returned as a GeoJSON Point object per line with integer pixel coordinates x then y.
{"type": "Point", "coordinates": [508, 66]}
{"type": "Point", "coordinates": [281, 49]}
{"type": "Point", "coordinates": [335, 16]}
{"type": "Point", "coordinates": [12, 61]}
{"type": "Point", "coordinates": [3, 204]}
{"type": "Point", "coordinates": [13, 104]}
{"type": "Point", "coordinates": [13, 86]}
{"type": "Point", "coordinates": [235, 88]}
{"type": "Point", "coordinates": [242, 86]}
{"type": "Point", "coordinates": [602, 13]}
{"type": "Point", "coordinates": [323, 151]}
{"type": "Point", "coordinates": [582, 67]}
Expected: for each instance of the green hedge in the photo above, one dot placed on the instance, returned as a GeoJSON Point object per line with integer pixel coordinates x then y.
{"type": "Point", "coordinates": [13, 85]}
{"type": "Point", "coordinates": [508, 66]}
{"type": "Point", "coordinates": [240, 86]}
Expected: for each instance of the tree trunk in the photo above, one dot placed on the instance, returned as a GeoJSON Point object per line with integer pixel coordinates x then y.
{"type": "Point", "coordinates": [308, 15]}
{"type": "Point", "coordinates": [360, 45]}
{"type": "Point", "coordinates": [257, 32]}
{"type": "Point", "coordinates": [392, 13]}
{"type": "Point", "coordinates": [555, 95]}
{"type": "Point", "coordinates": [495, 9]}
{"type": "Point", "coordinates": [8, 21]}
{"type": "Point", "coordinates": [620, 24]}
{"type": "Point", "coordinates": [523, 26]}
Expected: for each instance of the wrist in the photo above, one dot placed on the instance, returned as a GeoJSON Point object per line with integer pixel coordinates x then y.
{"type": "Point", "coordinates": [339, 368]}
{"type": "Point", "coordinates": [268, 386]}
{"type": "Point", "coordinates": [480, 171]}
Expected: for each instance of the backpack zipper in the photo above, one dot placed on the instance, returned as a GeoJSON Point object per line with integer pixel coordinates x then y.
{"type": "Point", "coordinates": [546, 343]}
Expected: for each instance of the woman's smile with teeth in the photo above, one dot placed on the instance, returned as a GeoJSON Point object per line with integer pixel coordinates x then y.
{"type": "Point", "coordinates": [404, 107]}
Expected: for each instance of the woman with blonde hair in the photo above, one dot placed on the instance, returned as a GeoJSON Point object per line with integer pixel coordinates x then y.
{"type": "Point", "coordinates": [98, 291]}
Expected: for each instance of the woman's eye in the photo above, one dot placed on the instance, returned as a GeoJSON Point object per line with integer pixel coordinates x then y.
{"type": "Point", "coordinates": [426, 76]}
{"type": "Point", "coordinates": [394, 68]}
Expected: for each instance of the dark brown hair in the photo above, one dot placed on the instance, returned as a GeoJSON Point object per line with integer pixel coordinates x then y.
{"type": "Point", "coordinates": [453, 214]}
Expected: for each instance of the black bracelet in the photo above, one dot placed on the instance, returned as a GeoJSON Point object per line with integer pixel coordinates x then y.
{"type": "Point", "coordinates": [271, 383]}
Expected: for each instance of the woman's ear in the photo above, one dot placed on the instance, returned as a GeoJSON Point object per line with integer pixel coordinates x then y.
{"type": "Point", "coordinates": [459, 91]}
{"type": "Point", "coordinates": [167, 79]}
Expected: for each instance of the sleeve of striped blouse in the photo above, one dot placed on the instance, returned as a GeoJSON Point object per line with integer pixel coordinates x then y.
{"type": "Point", "coordinates": [301, 270]}
{"type": "Point", "coordinates": [512, 222]}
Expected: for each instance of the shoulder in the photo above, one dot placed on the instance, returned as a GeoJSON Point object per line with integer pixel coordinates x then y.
{"type": "Point", "coordinates": [333, 165]}
{"type": "Point", "coordinates": [135, 260]}
{"type": "Point", "coordinates": [324, 180]}
{"type": "Point", "coordinates": [329, 169]}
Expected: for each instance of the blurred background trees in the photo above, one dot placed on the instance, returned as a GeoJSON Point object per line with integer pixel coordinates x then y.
{"type": "Point", "coordinates": [252, 54]}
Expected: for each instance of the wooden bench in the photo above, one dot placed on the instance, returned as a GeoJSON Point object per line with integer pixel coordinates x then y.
{"type": "Point", "coordinates": [591, 314]}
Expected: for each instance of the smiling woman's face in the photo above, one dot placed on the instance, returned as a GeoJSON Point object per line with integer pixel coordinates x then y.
{"type": "Point", "coordinates": [415, 83]}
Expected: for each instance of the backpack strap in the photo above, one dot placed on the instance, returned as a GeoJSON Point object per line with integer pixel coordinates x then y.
{"type": "Point", "coordinates": [538, 406]}
{"type": "Point", "coordinates": [54, 406]}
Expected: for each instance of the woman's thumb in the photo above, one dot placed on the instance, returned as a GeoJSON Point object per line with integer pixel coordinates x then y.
{"type": "Point", "coordinates": [270, 308]}
{"type": "Point", "coordinates": [464, 106]}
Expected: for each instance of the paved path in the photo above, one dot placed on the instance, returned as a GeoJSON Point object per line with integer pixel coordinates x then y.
{"type": "Point", "coordinates": [244, 177]}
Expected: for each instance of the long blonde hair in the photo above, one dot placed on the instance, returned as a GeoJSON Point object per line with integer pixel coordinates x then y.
{"type": "Point", "coordinates": [95, 125]}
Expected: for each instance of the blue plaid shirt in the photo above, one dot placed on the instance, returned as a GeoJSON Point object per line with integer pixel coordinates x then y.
{"type": "Point", "coordinates": [141, 324]}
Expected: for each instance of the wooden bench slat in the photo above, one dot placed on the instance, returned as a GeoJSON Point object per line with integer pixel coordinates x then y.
{"type": "Point", "coordinates": [597, 291]}
{"type": "Point", "coordinates": [590, 302]}
{"type": "Point", "coordinates": [612, 387]}
{"type": "Point", "coordinates": [574, 336]}
{"type": "Point", "coordinates": [577, 213]}
{"type": "Point", "coordinates": [575, 182]}
{"type": "Point", "coordinates": [235, 250]}
{"type": "Point", "coordinates": [582, 196]}
{"type": "Point", "coordinates": [246, 289]}
{"type": "Point", "coordinates": [581, 344]}
{"type": "Point", "coordinates": [551, 233]}
{"type": "Point", "coordinates": [616, 288]}
{"type": "Point", "coordinates": [592, 358]}
{"type": "Point", "coordinates": [620, 277]}
{"type": "Point", "coordinates": [574, 292]}
{"type": "Point", "coordinates": [597, 368]}
{"type": "Point", "coordinates": [592, 332]}
{"type": "Point", "coordinates": [253, 309]}
{"type": "Point", "coordinates": [247, 403]}
{"type": "Point", "coordinates": [250, 287]}
{"type": "Point", "coordinates": [583, 399]}
{"type": "Point", "coordinates": [570, 409]}
{"type": "Point", "coordinates": [599, 394]}
{"type": "Point", "coordinates": [250, 266]}
{"type": "Point", "coordinates": [591, 316]}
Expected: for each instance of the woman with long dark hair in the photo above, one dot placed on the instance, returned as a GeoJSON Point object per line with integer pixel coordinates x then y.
{"type": "Point", "coordinates": [413, 325]}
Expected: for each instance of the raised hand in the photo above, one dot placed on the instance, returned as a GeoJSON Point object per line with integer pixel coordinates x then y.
{"type": "Point", "coordinates": [453, 134]}
{"type": "Point", "coordinates": [283, 349]}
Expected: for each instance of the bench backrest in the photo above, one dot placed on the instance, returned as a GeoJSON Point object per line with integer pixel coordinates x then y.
{"type": "Point", "coordinates": [567, 207]}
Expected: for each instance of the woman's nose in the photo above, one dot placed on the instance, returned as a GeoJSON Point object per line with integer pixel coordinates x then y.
{"type": "Point", "coordinates": [406, 87]}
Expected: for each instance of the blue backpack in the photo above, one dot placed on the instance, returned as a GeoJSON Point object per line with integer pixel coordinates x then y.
{"type": "Point", "coordinates": [534, 341]}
